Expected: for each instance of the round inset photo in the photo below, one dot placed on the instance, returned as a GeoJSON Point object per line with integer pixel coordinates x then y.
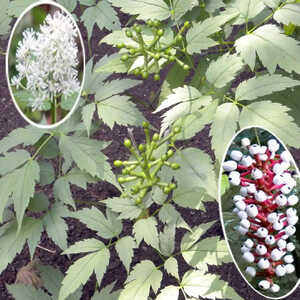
{"type": "Point", "coordinates": [45, 64]}
{"type": "Point", "coordinates": [259, 190]}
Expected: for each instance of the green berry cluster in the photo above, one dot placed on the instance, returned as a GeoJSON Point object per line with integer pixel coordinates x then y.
{"type": "Point", "coordinates": [155, 50]}
{"type": "Point", "coordinates": [143, 171]}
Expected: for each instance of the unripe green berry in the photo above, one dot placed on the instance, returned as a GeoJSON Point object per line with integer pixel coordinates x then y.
{"type": "Point", "coordinates": [128, 33]}
{"type": "Point", "coordinates": [175, 166]}
{"type": "Point", "coordinates": [160, 32]}
{"type": "Point", "coordinates": [132, 51]}
{"type": "Point", "coordinates": [155, 137]}
{"type": "Point", "coordinates": [156, 23]}
{"type": "Point", "coordinates": [186, 67]}
{"type": "Point", "coordinates": [179, 38]}
{"type": "Point", "coordinates": [118, 163]}
{"type": "Point", "coordinates": [157, 56]}
{"type": "Point", "coordinates": [145, 74]}
{"type": "Point", "coordinates": [156, 77]}
{"type": "Point", "coordinates": [168, 51]}
{"type": "Point", "coordinates": [138, 29]}
{"type": "Point", "coordinates": [121, 180]}
{"type": "Point", "coordinates": [125, 171]}
{"type": "Point", "coordinates": [145, 124]}
{"type": "Point", "coordinates": [150, 23]}
{"type": "Point", "coordinates": [138, 201]}
{"type": "Point", "coordinates": [170, 153]}
{"type": "Point", "coordinates": [120, 45]}
{"type": "Point", "coordinates": [187, 24]}
{"type": "Point", "coordinates": [172, 58]}
{"type": "Point", "coordinates": [167, 190]}
{"type": "Point", "coordinates": [176, 130]}
{"type": "Point", "coordinates": [164, 157]}
{"type": "Point", "coordinates": [172, 186]}
{"type": "Point", "coordinates": [124, 57]}
{"type": "Point", "coordinates": [137, 71]}
{"type": "Point", "coordinates": [127, 143]}
{"type": "Point", "coordinates": [152, 158]}
{"type": "Point", "coordinates": [141, 148]}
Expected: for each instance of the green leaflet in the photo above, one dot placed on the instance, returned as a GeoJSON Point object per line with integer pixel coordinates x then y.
{"type": "Point", "coordinates": [198, 36]}
{"type": "Point", "coordinates": [210, 286]}
{"type": "Point", "coordinates": [106, 294]}
{"type": "Point", "coordinates": [288, 14]}
{"type": "Point", "coordinates": [4, 17]}
{"type": "Point", "coordinates": [16, 7]}
{"type": "Point", "coordinates": [47, 173]}
{"type": "Point", "coordinates": [107, 227]}
{"type": "Point", "coordinates": [169, 292]}
{"type": "Point", "coordinates": [209, 251]}
{"type": "Point", "coordinates": [167, 243]}
{"type": "Point", "coordinates": [25, 136]}
{"type": "Point", "coordinates": [118, 109]}
{"type": "Point", "coordinates": [212, 5]}
{"type": "Point", "coordinates": [124, 248]}
{"type": "Point", "coordinates": [196, 171]}
{"type": "Point", "coordinates": [68, 4]}
{"type": "Point", "coordinates": [27, 292]}
{"type": "Point", "coordinates": [142, 277]}
{"type": "Point", "coordinates": [83, 268]}
{"type": "Point", "coordinates": [223, 127]}
{"type": "Point", "coordinates": [145, 9]}
{"type": "Point", "coordinates": [247, 10]}
{"type": "Point", "coordinates": [181, 7]}
{"type": "Point", "coordinates": [223, 70]}
{"type": "Point", "coordinates": [38, 203]}
{"type": "Point", "coordinates": [14, 239]}
{"type": "Point", "coordinates": [184, 100]}
{"type": "Point", "coordinates": [146, 229]}
{"type": "Point", "coordinates": [263, 85]}
{"type": "Point", "coordinates": [12, 160]}
{"type": "Point", "coordinates": [87, 116]}
{"type": "Point", "coordinates": [55, 225]}
{"type": "Point", "coordinates": [273, 117]}
{"type": "Point", "coordinates": [270, 39]}
{"type": "Point", "coordinates": [171, 266]}
{"type": "Point", "coordinates": [102, 15]}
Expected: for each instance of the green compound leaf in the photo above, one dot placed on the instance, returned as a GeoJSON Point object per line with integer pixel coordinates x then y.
{"type": "Point", "coordinates": [210, 251]}
{"type": "Point", "coordinates": [13, 240]}
{"type": "Point", "coordinates": [288, 14]}
{"type": "Point", "coordinates": [223, 70]}
{"type": "Point", "coordinates": [223, 127]}
{"type": "Point", "coordinates": [118, 109]}
{"type": "Point", "coordinates": [263, 85]}
{"type": "Point", "coordinates": [169, 292]}
{"type": "Point", "coordinates": [82, 269]}
{"type": "Point", "coordinates": [145, 9]}
{"type": "Point", "coordinates": [25, 136]}
{"type": "Point", "coordinates": [55, 225]}
{"type": "Point", "coordinates": [94, 219]}
{"type": "Point", "coordinates": [270, 39]}
{"type": "Point", "coordinates": [27, 292]}
{"type": "Point", "coordinates": [143, 276]}
{"type": "Point", "coordinates": [102, 15]}
{"type": "Point", "coordinates": [12, 160]}
{"type": "Point", "coordinates": [198, 36]}
{"type": "Point", "coordinates": [273, 117]}
{"type": "Point", "coordinates": [210, 286]}
{"type": "Point", "coordinates": [146, 229]}
{"type": "Point", "coordinates": [196, 171]}
{"type": "Point", "coordinates": [184, 100]}
{"type": "Point", "coordinates": [62, 191]}
{"type": "Point", "coordinates": [126, 207]}
{"type": "Point", "coordinates": [247, 10]}
{"type": "Point", "coordinates": [124, 248]}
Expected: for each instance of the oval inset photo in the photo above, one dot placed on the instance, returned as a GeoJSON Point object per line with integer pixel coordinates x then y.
{"type": "Point", "coordinates": [259, 188]}
{"type": "Point", "coordinates": [45, 64]}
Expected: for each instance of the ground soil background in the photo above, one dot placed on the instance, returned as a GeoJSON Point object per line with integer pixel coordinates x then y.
{"type": "Point", "coordinates": [10, 119]}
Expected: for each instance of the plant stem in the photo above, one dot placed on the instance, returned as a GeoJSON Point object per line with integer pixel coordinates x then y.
{"type": "Point", "coordinates": [42, 146]}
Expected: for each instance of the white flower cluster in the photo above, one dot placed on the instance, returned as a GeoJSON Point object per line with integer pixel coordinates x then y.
{"type": "Point", "coordinates": [264, 209]}
{"type": "Point", "coordinates": [47, 60]}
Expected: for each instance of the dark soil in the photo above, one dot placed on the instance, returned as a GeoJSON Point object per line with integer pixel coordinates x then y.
{"type": "Point", "coordinates": [10, 119]}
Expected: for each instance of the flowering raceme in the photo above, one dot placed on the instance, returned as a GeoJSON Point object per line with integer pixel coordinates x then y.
{"type": "Point", "coordinates": [264, 206]}
{"type": "Point", "coordinates": [47, 60]}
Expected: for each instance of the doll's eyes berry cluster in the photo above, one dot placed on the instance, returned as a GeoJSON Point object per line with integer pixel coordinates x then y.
{"type": "Point", "coordinates": [264, 206]}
